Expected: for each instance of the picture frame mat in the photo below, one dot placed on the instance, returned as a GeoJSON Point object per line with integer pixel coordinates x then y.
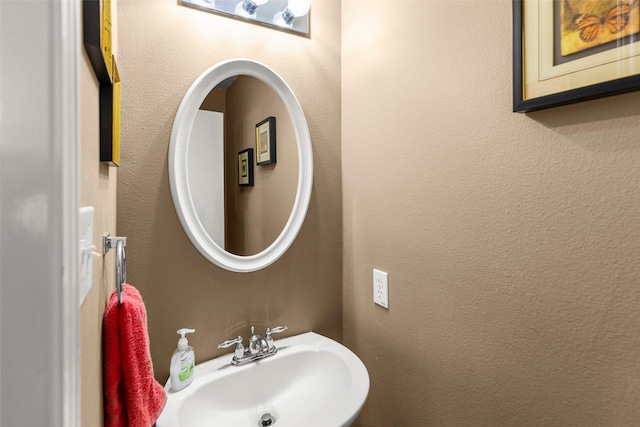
{"type": "Point", "coordinates": [542, 78]}
{"type": "Point", "coordinates": [266, 141]}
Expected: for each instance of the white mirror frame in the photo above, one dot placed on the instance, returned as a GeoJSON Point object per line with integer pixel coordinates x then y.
{"type": "Point", "coordinates": [178, 167]}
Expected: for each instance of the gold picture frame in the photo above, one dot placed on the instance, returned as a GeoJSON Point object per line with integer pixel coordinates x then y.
{"type": "Point", "coordinates": [96, 20]}
{"type": "Point", "coordinates": [546, 73]}
{"type": "Point", "coordinates": [266, 141]}
{"type": "Point", "coordinates": [110, 119]}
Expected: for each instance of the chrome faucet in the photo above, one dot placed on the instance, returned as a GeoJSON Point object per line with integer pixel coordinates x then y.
{"type": "Point", "coordinates": [257, 344]}
{"type": "Point", "coordinates": [259, 347]}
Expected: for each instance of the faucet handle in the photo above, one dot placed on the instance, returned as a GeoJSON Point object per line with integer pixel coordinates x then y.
{"type": "Point", "coordinates": [270, 331]}
{"type": "Point", "coordinates": [276, 330]}
{"type": "Point", "coordinates": [229, 343]}
{"type": "Point", "coordinates": [239, 351]}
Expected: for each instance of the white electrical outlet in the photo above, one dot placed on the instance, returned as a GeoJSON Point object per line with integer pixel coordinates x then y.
{"type": "Point", "coordinates": [381, 288]}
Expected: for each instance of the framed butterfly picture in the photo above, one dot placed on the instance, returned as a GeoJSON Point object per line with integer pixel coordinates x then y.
{"type": "Point", "coordinates": [566, 51]}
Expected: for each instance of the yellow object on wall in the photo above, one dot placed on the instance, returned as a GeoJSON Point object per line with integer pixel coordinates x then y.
{"type": "Point", "coordinates": [105, 38]}
{"type": "Point", "coordinates": [98, 38]}
{"type": "Point", "coordinates": [110, 119]}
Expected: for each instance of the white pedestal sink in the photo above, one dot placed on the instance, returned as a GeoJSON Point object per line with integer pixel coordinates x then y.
{"type": "Point", "coordinates": [311, 381]}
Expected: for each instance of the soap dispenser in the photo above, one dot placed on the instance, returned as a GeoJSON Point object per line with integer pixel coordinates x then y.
{"type": "Point", "coordinates": [182, 362]}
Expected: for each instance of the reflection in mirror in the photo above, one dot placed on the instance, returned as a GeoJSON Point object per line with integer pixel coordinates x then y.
{"type": "Point", "coordinates": [244, 220]}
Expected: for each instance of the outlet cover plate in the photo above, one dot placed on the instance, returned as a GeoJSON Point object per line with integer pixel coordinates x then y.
{"type": "Point", "coordinates": [85, 237]}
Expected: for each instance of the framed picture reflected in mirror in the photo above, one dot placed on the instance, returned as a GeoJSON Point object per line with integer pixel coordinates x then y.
{"type": "Point", "coordinates": [245, 168]}
{"type": "Point", "coordinates": [266, 141]}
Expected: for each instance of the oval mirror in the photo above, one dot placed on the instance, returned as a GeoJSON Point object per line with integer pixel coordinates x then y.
{"type": "Point", "coordinates": [240, 165]}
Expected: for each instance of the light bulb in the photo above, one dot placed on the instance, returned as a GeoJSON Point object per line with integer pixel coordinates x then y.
{"type": "Point", "coordinates": [294, 9]}
{"type": "Point", "coordinates": [299, 8]}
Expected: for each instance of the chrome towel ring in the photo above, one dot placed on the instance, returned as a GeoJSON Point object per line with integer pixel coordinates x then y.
{"type": "Point", "coordinates": [121, 260]}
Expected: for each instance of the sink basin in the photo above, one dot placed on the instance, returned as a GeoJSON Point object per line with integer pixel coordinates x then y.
{"type": "Point", "coordinates": [311, 381]}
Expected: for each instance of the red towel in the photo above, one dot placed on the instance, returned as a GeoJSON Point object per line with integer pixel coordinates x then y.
{"type": "Point", "coordinates": [133, 398]}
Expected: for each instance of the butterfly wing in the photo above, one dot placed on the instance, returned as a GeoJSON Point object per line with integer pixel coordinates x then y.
{"type": "Point", "coordinates": [588, 26]}
{"type": "Point", "coordinates": [617, 18]}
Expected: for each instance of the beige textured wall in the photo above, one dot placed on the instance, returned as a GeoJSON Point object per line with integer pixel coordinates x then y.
{"type": "Point", "coordinates": [512, 241]}
{"type": "Point", "coordinates": [98, 189]}
{"type": "Point", "coordinates": [256, 215]}
{"type": "Point", "coordinates": [163, 47]}
{"type": "Point", "coordinates": [98, 186]}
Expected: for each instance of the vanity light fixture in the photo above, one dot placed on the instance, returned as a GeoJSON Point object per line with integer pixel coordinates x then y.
{"type": "Point", "coordinates": [285, 15]}
{"type": "Point", "coordinates": [294, 9]}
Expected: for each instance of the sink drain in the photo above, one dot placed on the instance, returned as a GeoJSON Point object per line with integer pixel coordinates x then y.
{"type": "Point", "coordinates": [267, 420]}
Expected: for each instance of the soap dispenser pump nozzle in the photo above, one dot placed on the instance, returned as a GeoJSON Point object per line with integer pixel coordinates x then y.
{"type": "Point", "coordinates": [182, 342]}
